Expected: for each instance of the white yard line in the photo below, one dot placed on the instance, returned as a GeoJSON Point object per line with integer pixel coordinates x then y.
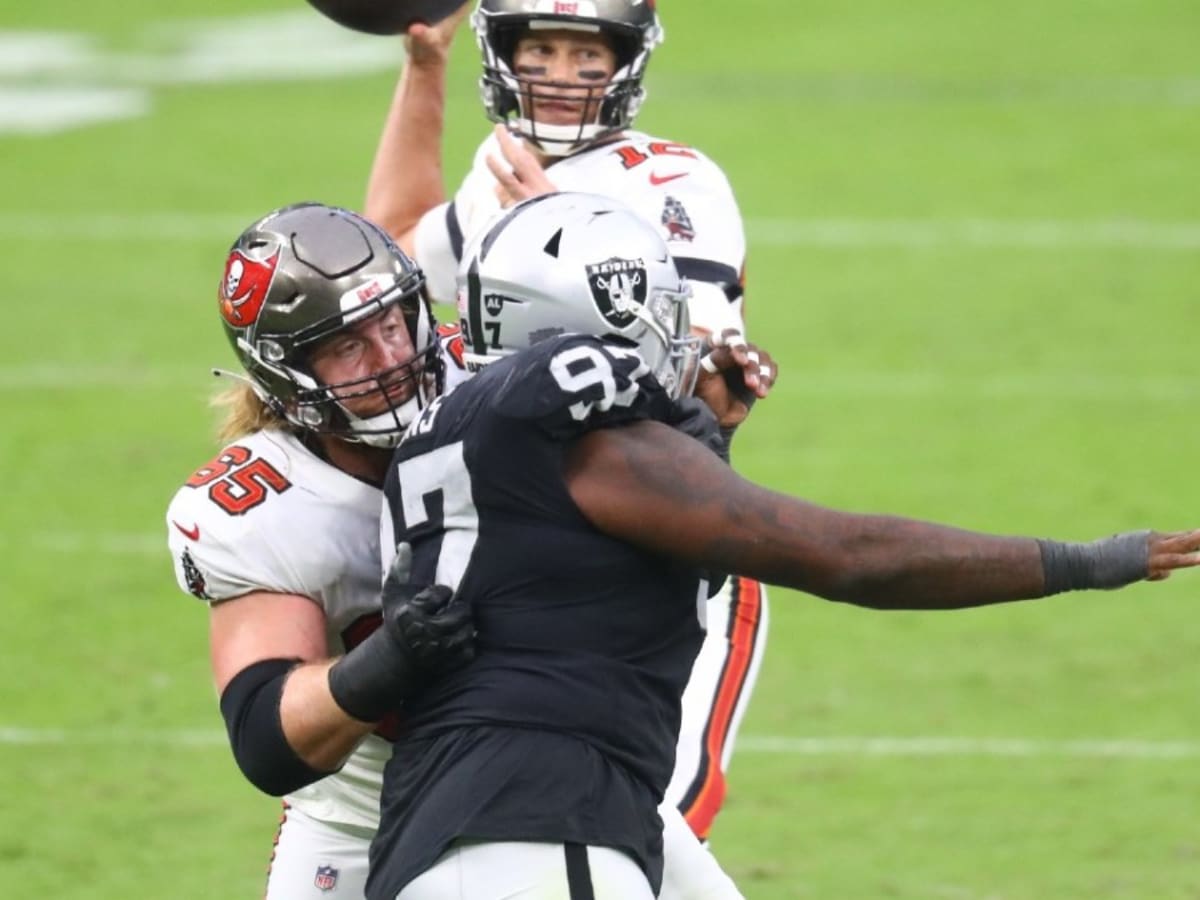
{"type": "Point", "coordinates": [969, 747]}
{"type": "Point", "coordinates": [1060, 385]}
{"type": "Point", "coordinates": [975, 232]}
{"type": "Point", "coordinates": [19, 736]}
{"type": "Point", "coordinates": [921, 747]}
{"type": "Point", "coordinates": [75, 377]}
{"type": "Point", "coordinates": [104, 543]}
{"type": "Point", "coordinates": [981, 232]}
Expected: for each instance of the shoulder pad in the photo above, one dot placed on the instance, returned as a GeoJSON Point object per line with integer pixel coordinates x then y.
{"type": "Point", "coordinates": [575, 383]}
{"type": "Point", "coordinates": [258, 516]}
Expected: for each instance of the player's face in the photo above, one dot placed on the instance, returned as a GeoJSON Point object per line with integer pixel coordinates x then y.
{"type": "Point", "coordinates": [361, 363]}
{"type": "Point", "coordinates": [568, 70]}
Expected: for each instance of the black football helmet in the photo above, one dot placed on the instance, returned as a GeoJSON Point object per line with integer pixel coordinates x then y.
{"type": "Point", "coordinates": [304, 273]}
{"type": "Point", "coordinates": [632, 26]}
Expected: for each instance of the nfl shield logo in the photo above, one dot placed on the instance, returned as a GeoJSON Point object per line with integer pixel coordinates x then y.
{"type": "Point", "coordinates": [326, 879]}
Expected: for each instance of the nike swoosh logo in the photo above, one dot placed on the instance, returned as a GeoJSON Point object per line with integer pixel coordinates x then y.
{"type": "Point", "coordinates": [192, 534]}
{"type": "Point", "coordinates": [656, 180]}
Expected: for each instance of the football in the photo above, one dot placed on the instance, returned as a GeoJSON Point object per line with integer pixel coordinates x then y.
{"type": "Point", "coordinates": [384, 16]}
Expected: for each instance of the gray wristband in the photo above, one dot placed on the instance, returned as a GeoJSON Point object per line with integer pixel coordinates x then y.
{"type": "Point", "coordinates": [1110, 562]}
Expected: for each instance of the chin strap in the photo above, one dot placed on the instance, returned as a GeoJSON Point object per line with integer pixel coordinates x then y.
{"type": "Point", "coordinates": [274, 405]}
{"type": "Point", "coordinates": [237, 376]}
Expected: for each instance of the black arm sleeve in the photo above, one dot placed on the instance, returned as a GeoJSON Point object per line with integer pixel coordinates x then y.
{"type": "Point", "coordinates": [250, 705]}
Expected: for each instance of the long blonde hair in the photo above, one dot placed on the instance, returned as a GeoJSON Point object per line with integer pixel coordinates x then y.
{"type": "Point", "coordinates": [245, 413]}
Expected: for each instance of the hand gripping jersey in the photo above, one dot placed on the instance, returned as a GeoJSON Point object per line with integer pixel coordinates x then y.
{"type": "Point", "coordinates": [670, 185]}
{"type": "Point", "coordinates": [563, 727]}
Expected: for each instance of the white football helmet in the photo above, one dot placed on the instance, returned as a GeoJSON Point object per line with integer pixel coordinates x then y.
{"type": "Point", "coordinates": [576, 263]}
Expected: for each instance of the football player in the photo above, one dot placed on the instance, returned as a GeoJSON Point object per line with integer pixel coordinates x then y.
{"type": "Point", "coordinates": [552, 493]}
{"type": "Point", "coordinates": [279, 531]}
{"type": "Point", "coordinates": [564, 82]}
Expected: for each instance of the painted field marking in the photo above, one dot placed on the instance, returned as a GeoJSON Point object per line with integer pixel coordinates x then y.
{"type": "Point", "coordinates": [1156, 388]}
{"type": "Point", "coordinates": [56, 81]}
{"type": "Point", "coordinates": [971, 232]}
{"type": "Point", "coordinates": [1116, 748]}
{"type": "Point", "coordinates": [1036, 234]}
{"type": "Point", "coordinates": [919, 747]}
{"type": "Point", "coordinates": [102, 542]}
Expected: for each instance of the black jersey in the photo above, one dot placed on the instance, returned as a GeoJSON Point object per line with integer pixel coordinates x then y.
{"type": "Point", "coordinates": [564, 726]}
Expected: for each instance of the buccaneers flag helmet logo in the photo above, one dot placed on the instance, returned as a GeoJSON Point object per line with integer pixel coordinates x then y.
{"type": "Point", "coordinates": [245, 287]}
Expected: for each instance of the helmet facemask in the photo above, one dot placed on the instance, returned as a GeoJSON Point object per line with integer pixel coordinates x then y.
{"type": "Point", "coordinates": [403, 389]}
{"type": "Point", "coordinates": [666, 314]}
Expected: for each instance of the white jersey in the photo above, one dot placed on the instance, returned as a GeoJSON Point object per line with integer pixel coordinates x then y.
{"type": "Point", "coordinates": [674, 187]}
{"type": "Point", "coordinates": [267, 514]}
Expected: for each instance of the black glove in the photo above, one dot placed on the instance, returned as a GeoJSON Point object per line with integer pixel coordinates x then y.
{"type": "Point", "coordinates": [693, 417]}
{"type": "Point", "coordinates": [426, 632]}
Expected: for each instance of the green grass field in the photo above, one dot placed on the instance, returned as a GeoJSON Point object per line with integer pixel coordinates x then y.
{"type": "Point", "coordinates": [975, 251]}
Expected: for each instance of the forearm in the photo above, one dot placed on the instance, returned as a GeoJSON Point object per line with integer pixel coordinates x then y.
{"type": "Point", "coordinates": [883, 562]}
{"type": "Point", "coordinates": [663, 492]}
{"type": "Point", "coordinates": [320, 732]}
{"type": "Point", "coordinates": [406, 175]}
{"type": "Point", "coordinates": [888, 562]}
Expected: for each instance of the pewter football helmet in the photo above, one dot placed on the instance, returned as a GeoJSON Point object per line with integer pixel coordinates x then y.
{"type": "Point", "coordinates": [304, 273]}
{"type": "Point", "coordinates": [576, 263]}
{"type": "Point", "coordinates": [631, 25]}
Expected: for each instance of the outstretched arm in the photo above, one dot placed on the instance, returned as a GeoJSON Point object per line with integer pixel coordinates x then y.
{"type": "Point", "coordinates": [406, 175]}
{"type": "Point", "coordinates": [662, 491]}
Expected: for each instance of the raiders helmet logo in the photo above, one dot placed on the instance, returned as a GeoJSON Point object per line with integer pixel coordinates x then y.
{"type": "Point", "coordinates": [619, 288]}
{"type": "Point", "coordinates": [244, 287]}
